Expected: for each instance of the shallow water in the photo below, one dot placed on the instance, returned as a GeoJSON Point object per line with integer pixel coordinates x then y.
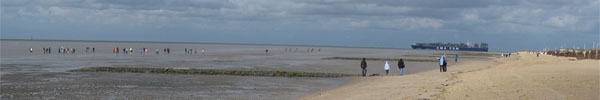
{"type": "Point", "coordinates": [41, 75]}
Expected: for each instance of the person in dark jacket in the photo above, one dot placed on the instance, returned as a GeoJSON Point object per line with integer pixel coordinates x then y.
{"type": "Point", "coordinates": [401, 66]}
{"type": "Point", "coordinates": [363, 65]}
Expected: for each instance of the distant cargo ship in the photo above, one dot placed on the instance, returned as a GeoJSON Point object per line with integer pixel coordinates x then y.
{"type": "Point", "coordinates": [452, 46]}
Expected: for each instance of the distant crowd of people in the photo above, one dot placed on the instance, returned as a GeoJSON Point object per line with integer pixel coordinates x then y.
{"type": "Point", "coordinates": [307, 49]}
{"type": "Point", "coordinates": [194, 51]}
{"type": "Point", "coordinates": [506, 55]}
{"type": "Point", "coordinates": [141, 50]}
{"type": "Point", "coordinates": [63, 50]}
{"type": "Point", "coordinates": [296, 49]}
{"type": "Point", "coordinates": [118, 50]}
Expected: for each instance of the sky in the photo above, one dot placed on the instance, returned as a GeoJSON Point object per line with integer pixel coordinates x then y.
{"type": "Point", "coordinates": [506, 25]}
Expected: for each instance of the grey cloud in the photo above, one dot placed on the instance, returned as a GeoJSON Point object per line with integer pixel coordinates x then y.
{"type": "Point", "coordinates": [433, 17]}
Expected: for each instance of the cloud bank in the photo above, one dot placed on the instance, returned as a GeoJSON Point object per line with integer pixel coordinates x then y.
{"type": "Point", "coordinates": [505, 24]}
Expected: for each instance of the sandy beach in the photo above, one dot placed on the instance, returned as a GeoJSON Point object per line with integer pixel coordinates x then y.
{"type": "Point", "coordinates": [519, 77]}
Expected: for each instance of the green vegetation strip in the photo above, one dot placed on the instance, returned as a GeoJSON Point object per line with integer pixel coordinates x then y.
{"type": "Point", "coordinates": [210, 72]}
{"type": "Point", "coordinates": [381, 59]}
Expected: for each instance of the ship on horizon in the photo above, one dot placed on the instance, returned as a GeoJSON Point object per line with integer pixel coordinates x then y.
{"type": "Point", "coordinates": [483, 47]}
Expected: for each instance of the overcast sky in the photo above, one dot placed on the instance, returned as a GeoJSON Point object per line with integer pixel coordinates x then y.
{"type": "Point", "coordinates": [506, 25]}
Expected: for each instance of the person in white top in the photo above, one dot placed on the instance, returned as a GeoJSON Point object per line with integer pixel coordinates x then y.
{"type": "Point", "coordinates": [442, 58]}
{"type": "Point", "coordinates": [387, 67]}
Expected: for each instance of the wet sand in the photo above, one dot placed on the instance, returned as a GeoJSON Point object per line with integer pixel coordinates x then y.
{"type": "Point", "coordinates": [158, 86]}
{"type": "Point", "coordinates": [515, 78]}
{"type": "Point", "coordinates": [37, 75]}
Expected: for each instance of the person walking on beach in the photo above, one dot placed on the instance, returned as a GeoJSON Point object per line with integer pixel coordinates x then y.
{"type": "Point", "coordinates": [401, 66]}
{"type": "Point", "coordinates": [267, 51]}
{"type": "Point", "coordinates": [363, 65]}
{"type": "Point", "coordinates": [30, 50]}
{"type": "Point", "coordinates": [442, 63]}
{"type": "Point", "coordinates": [456, 58]}
{"type": "Point", "coordinates": [186, 51]}
{"type": "Point", "coordinates": [445, 66]}
{"type": "Point", "coordinates": [387, 68]}
{"type": "Point", "coordinates": [93, 50]}
{"type": "Point", "coordinates": [203, 51]}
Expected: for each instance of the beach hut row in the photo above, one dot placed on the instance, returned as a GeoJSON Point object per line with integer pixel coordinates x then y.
{"type": "Point", "coordinates": [577, 53]}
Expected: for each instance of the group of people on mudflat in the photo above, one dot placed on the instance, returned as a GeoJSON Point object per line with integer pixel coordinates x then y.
{"type": "Point", "coordinates": [63, 50]}
{"type": "Point", "coordinates": [130, 50]}
{"type": "Point", "coordinates": [194, 51]}
{"type": "Point", "coordinates": [442, 62]}
{"type": "Point", "coordinates": [157, 51]}
{"type": "Point", "coordinates": [307, 50]}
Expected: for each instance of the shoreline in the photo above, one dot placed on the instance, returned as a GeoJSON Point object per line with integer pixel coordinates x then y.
{"type": "Point", "coordinates": [454, 84]}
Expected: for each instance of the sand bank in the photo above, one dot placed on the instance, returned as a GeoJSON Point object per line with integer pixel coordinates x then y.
{"type": "Point", "coordinates": [519, 77]}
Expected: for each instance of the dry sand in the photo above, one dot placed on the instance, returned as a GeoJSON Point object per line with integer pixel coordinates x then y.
{"type": "Point", "coordinates": [519, 77]}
